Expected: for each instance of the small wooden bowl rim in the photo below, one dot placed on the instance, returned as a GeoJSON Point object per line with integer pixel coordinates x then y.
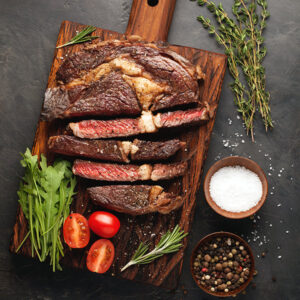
{"type": "Point", "coordinates": [233, 236]}
{"type": "Point", "coordinates": [235, 161]}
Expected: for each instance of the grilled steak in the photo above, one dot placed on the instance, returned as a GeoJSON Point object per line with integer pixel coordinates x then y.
{"type": "Point", "coordinates": [147, 123]}
{"type": "Point", "coordinates": [169, 171]}
{"type": "Point", "coordinates": [121, 78]}
{"type": "Point", "coordinates": [109, 96]}
{"type": "Point", "coordinates": [135, 199]}
{"type": "Point", "coordinates": [93, 129]}
{"type": "Point", "coordinates": [111, 150]}
{"type": "Point", "coordinates": [146, 150]}
{"type": "Point", "coordinates": [98, 149]}
{"type": "Point", "coordinates": [180, 118]}
{"type": "Point", "coordinates": [114, 172]}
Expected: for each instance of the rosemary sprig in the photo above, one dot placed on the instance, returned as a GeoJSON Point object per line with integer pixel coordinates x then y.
{"type": "Point", "coordinates": [169, 242]}
{"type": "Point", "coordinates": [81, 37]}
{"type": "Point", "coordinates": [243, 43]}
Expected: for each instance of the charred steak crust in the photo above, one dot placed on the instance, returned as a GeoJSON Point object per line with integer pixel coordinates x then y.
{"type": "Point", "coordinates": [147, 150]}
{"type": "Point", "coordinates": [135, 199]}
{"type": "Point", "coordinates": [120, 78]}
{"type": "Point", "coordinates": [112, 150]}
{"type": "Point", "coordinates": [129, 173]}
{"type": "Point", "coordinates": [98, 149]}
{"type": "Point", "coordinates": [109, 96]}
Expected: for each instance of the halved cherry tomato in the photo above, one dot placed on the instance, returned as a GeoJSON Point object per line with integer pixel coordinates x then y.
{"type": "Point", "coordinates": [100, 256]}
{"type": "Point", "coordinates": [104, 224]}
{"type": "Point", "coordinates": [76, 231]}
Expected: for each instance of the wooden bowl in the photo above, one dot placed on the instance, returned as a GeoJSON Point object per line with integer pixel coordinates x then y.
{"type": "Point", "coordinates": [236, 161]}
{"type": "Point", "coordinates": [242, 242]}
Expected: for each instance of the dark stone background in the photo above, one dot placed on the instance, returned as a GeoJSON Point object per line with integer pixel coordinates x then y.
{"type": "Point", "coordinates": [28, 32]}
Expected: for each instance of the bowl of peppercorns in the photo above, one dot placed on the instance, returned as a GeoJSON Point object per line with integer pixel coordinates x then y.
{"type": "Point", "coordinates": [222, 264]}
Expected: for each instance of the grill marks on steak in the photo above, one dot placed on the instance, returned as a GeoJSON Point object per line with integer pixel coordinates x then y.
{"type": "Point", "coordinates": [112, 150]}
{"type": "Point", "coordinates": [147, 123]}
{"type": "Point", "coordinates": [130, 173]}
{"type": "Point", "coordinates": [120, 78]}
{"type": "Point", "coordinates": [135, 199]}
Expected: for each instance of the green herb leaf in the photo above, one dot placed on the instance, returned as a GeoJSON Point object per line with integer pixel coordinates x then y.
{"type": "Point", "coordinates": [170, 242]}
{"type": "Point", "coordinates": [45, 195]}
{"type": "Point", "coordinates": [81, 37]}
{"type": "Point", "coordinates": [243, 42]}
{"type": "Point", "coordinates": [201, 2]}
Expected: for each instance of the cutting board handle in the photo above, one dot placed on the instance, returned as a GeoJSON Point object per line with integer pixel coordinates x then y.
{"type": "Point", "coordinates": [152, 23]}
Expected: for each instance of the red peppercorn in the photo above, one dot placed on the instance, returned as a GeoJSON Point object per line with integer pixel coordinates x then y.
{"type": "Point", "coordinates": [204, 270]}
{"type": "Point", "coordinates": [240, 267]}
{"type": "Point", "coordinates": [245, 259]}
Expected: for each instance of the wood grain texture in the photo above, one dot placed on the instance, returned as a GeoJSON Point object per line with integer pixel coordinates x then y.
{"type": "Point", "coordinates": [166, 270]}
{"type": "Point", "coordinates": [152, 23]}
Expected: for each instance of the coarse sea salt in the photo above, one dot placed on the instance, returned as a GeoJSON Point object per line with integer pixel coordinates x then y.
{"type": "Point", "coordinates": [235, 188]}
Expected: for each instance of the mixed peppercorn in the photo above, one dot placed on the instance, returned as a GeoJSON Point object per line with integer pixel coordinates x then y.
{"type": "Point", "coordinates": [222, 265]}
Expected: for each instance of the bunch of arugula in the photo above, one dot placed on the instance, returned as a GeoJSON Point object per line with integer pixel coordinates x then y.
{"type": "Point", "coordinates": [45, 195]}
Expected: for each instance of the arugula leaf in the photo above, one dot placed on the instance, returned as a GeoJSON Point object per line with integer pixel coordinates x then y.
{"type": "Point", "coordinates": [45, 195]}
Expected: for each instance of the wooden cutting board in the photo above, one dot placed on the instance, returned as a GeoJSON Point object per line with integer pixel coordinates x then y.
{"type": "Point", "coordinates": [152, 23]}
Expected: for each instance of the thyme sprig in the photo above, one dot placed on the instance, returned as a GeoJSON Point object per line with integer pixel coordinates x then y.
{"type": "Point", "coordinates": [243, 43]}
{"type": "Point", "coordinates": [82, 37]}
{"type": "Point", "coordinates": [169, 242]}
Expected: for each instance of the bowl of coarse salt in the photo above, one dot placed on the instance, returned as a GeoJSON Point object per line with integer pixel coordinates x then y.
{"type": "Point", "coordinates": [235, 187]}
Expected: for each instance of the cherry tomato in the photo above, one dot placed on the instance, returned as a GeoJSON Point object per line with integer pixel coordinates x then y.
{"type": "Point", "coordinates": [76, 231]}
{"type": "Point", "coordinates": [104, 224]}
{"type": "Point", "coordinates": [100, 256]}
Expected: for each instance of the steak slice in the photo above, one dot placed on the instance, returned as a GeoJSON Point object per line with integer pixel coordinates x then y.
{"type": "Point", "coordinates": [181, 118]}
{"type": "Point", "coordinates": [114, 172]}
{"type": "Point", "coordinates": [135, 199]}
{"type": "Point", "coordinates": [147, 123]}
{"type": "Point", "coordinates": [161, 171]}
{"type": "Point", "coordinates": [93, 129]}
{"type": "Point", "coordinates": [98, 149]}
{"type": "Point", "coordinates": [146, 150]}
{"type": "Point", "coordinates": [111, 172]}
{"type": "Point", "coordinates": [112, 150]}
{"type": "Point", "coordinates": [121, 77]}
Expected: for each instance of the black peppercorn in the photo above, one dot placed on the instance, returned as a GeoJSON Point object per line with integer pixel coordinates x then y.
{"type": "Point", "coordinates": [222, 265]}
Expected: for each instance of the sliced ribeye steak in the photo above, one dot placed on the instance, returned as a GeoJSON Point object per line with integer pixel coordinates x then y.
{"type": "Point", "coordinates": [135, 199]}
{"type": "Point", "coordinates": [115, 77]}
{"type": "Point", "coordinates": [115, 172]}
{"type": "Point", "coordinates": [148, 150]}
{"type": "Point", "coordinates": [111, 150]}
{"type": "Point", "coordinates": [99, 149]}
{"type": "Point", "coordinates": [147, 123]}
